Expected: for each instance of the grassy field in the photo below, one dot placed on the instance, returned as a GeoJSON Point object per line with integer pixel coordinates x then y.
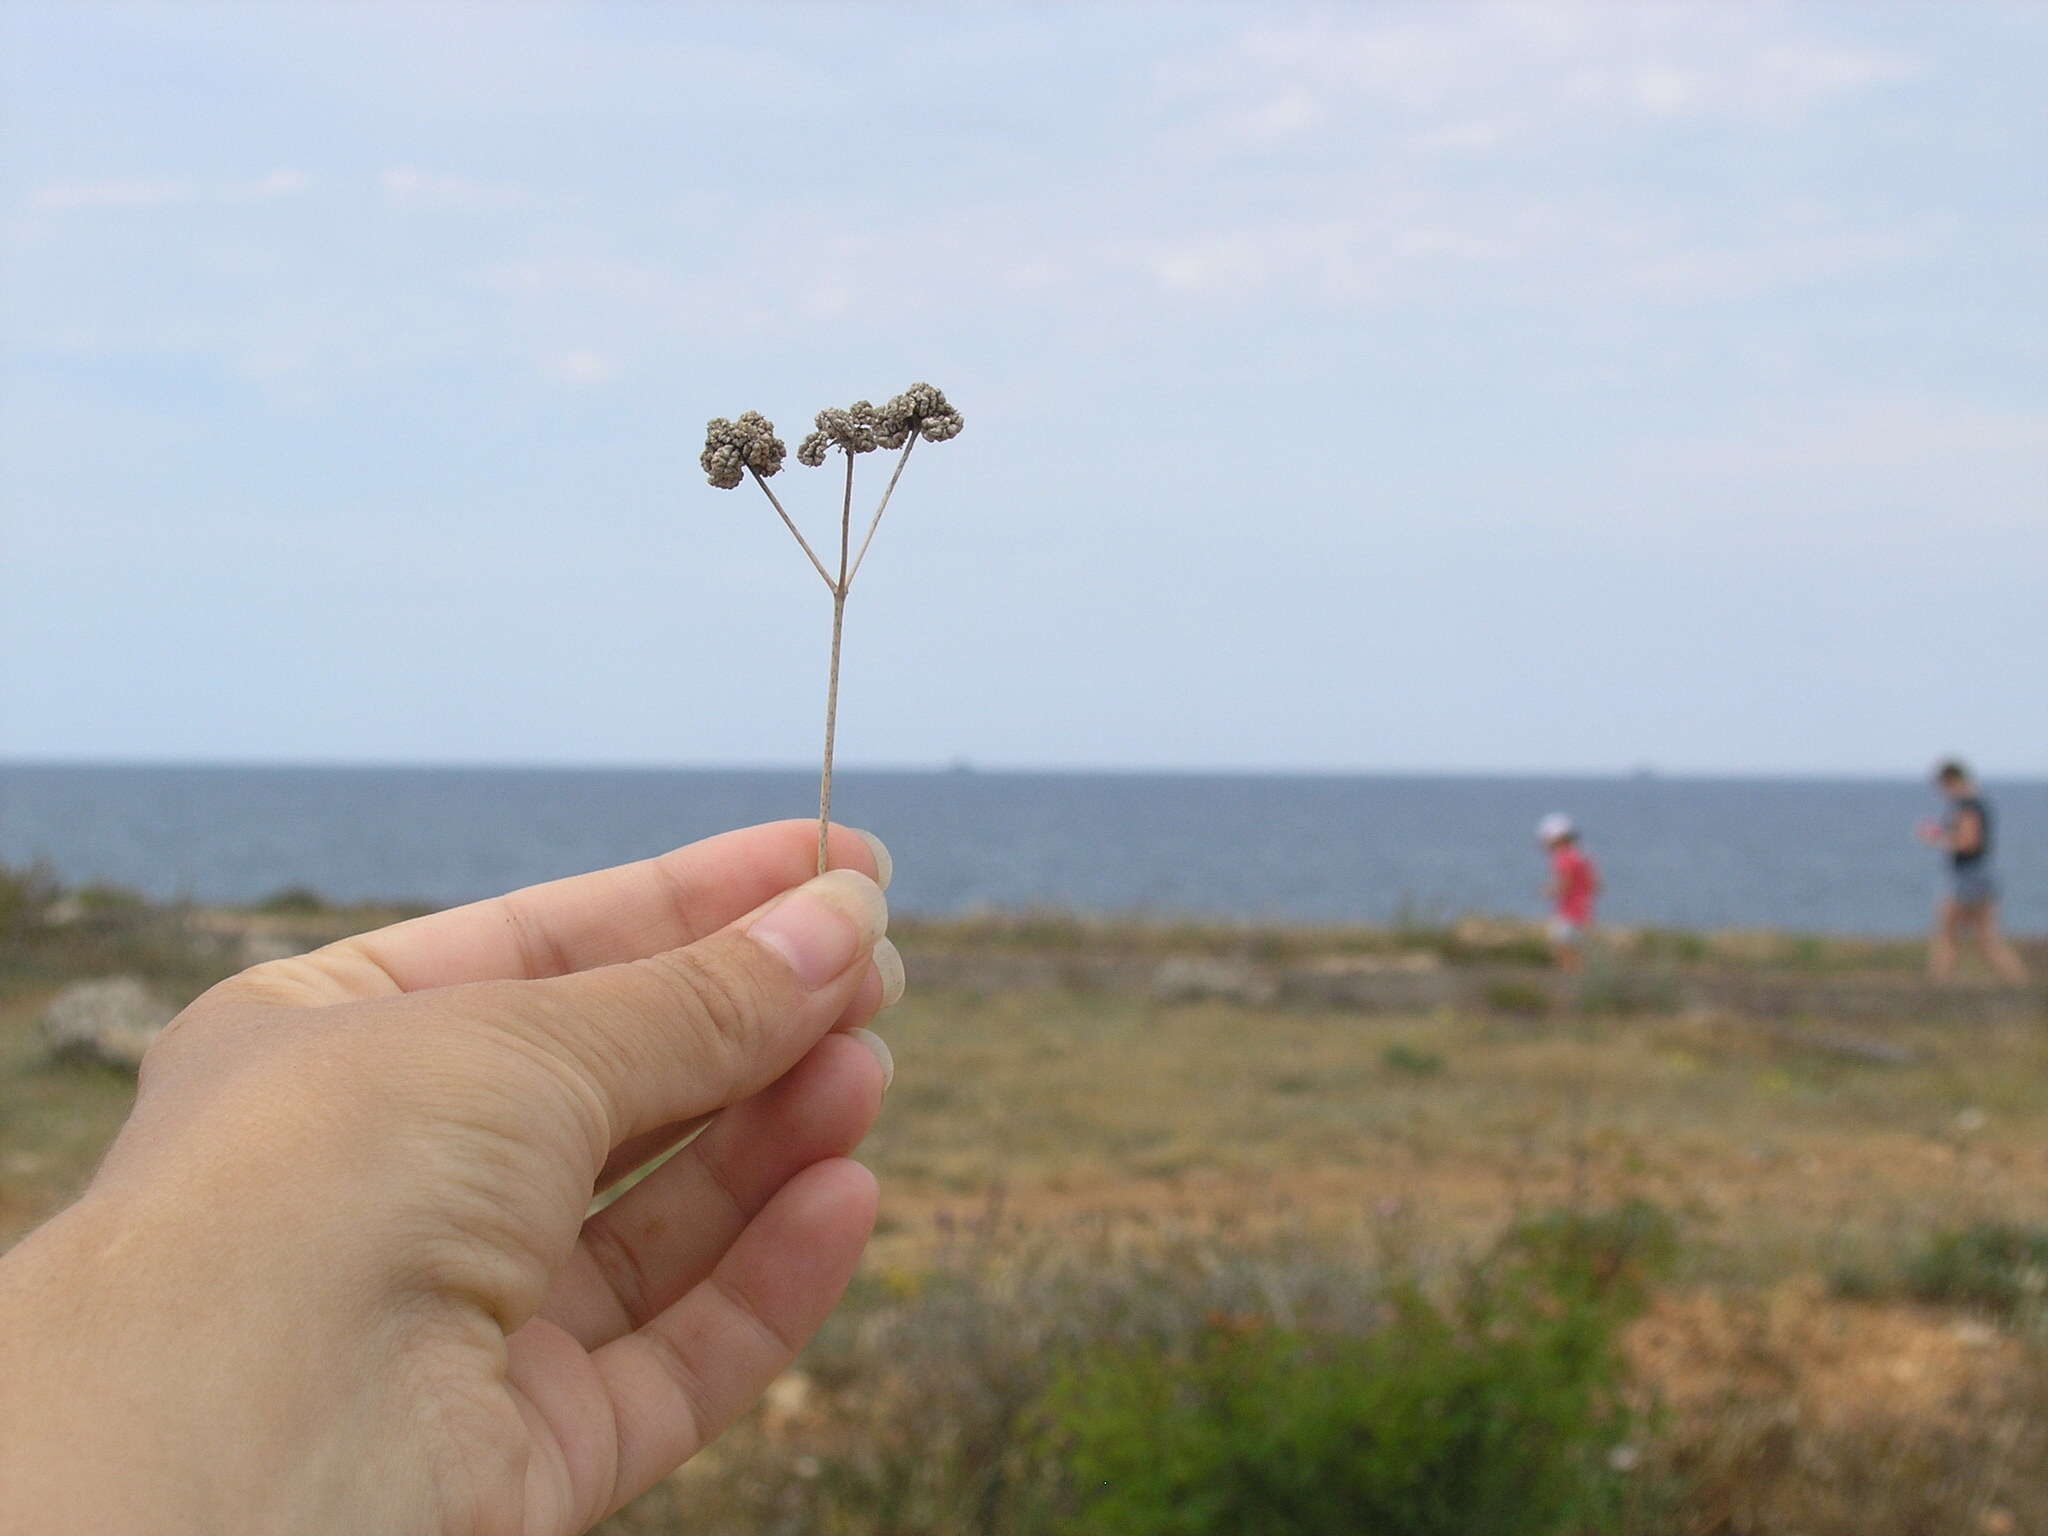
{"type": "Point", "coordinates": [1097, 1153]}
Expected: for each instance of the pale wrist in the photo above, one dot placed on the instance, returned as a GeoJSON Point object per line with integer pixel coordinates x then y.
{"type": "Point", "coordinates": [141, 1389]}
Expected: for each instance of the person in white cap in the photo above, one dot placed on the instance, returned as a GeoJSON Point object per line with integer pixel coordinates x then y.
{"type": "Point", "coordinates": [1573, 885]}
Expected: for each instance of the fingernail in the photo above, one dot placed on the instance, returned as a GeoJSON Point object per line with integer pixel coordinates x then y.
{"type": "Point", "coordinates": [890, 964]}
{"type": "Point", "coordinates": [824, 925]}
{"type": "Point", "coordinates": [879, 1049]}
{"type": "Point", "coordinates": [885, 867]}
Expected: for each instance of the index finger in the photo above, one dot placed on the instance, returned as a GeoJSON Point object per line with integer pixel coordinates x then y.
{"type": "Point", "coordinates": [605, 918]}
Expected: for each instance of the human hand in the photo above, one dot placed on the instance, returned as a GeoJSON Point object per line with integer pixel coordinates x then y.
{"type": "Point", "coordinates": [335, 1274]}
{"type": "Point", "coordinates": [1930, 832]}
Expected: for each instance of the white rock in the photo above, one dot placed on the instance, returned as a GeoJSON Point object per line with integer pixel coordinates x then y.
{"type": "Point", "coordinates": [1189, 979]}
{"type": "Point", "coordinates": [111, 1020]}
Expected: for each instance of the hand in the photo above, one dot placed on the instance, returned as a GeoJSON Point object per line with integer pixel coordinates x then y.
{"type": "Point", "coordinates": [1930, 832]}
{"type": "Point", "coordinates": [335, 1274]}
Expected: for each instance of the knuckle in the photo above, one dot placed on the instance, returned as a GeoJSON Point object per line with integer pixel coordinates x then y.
{"type": "Point", "coordinates": [619, 1263]}
{"type": "Point", "coordinates": [771, 1337]}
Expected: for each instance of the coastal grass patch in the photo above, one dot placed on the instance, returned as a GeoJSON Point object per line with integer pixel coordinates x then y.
{"type": "Point", "coordinates": [1134, 1373]}
{"type": "Point", "coordinates": [1052, 1155]}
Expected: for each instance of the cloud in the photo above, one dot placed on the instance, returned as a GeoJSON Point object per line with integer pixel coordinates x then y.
{"type": "Point", "coordinates": [1557, 67]}
{"type": "Point", "coordinates": [1284, 115]}
{"type": "Point", "coordinates": [1762, 82]}
{"type": "Point", "coordinates": [1333, 259]}
{"type": "Point", "coordinates": [407, 186]}
{"type": "Point", "coordinates": [1475, 134]}
{"type": "Point", "coordinates": [1859, 469]}
{"type": "Point", "coordinates": [582, 366]}
{"type": "Point", "coordinates": [66, 196]}
{"type": "Point", "coordinates": [264, 188]}
{"type": "Point", "coordinates": [77, 196]}
{"type": "Point", "coordinates": [1243, 260]}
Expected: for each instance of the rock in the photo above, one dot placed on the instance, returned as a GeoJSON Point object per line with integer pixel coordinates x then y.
{"type": "Point", "coordinates": [1974, 1335]}
{"type": "Point", "coordinates": [111, 1020]}
{"type": "Point", "coordinates": [1406, 962]}
{"type": "Point", "coordinates": [64, 911]}
{"type": "Point", "coordinates": [785, 1404]}
{"type": "Point", "coordinates": [1493, 932]}
{"type": "Point", "coordinates": [1192, 979]}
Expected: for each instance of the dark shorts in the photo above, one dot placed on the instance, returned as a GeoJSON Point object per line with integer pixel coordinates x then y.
{"type": "Point", "coordinates": [1971, 887]}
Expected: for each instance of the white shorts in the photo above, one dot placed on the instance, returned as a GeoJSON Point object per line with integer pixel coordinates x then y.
{"type": "Point", "coordinates": [1564, 931]}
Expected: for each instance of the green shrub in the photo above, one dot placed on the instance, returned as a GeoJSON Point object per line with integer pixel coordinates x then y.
{"type": "Point", "coordinates": [1501, 1410]}
{"type": "Point", "coordinates": [1852, 1280]}
{"type": "Point", "coordinates": [1804, 952]}
{"type": "Point", "coordinates": [1679, 946]}
{"type": "Point", "coordinates": [1411, 1061]}
{"type": "Point", "coordinates": [1625, 990]}
{"type": "Point", "coordinates": [1997, 1266]}
{"type": "Point", "coordinates": [26, 892]}
{"type": "Point", "coordinates": [109, 901]}
{"type": "Point", "coordinates": [950, 1366]}
{"type": "Point", "coordinates": [1518, 997]}
{"type": "Point", "coordinates": [1521, 947]}
{"type": "Point", "coordinates": [1609, 1258]}
{"type": "Point", "coordinates": [295, 900]}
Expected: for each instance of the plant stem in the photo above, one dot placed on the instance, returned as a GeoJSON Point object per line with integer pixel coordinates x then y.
{"type": "Point", "coordinates": [796, 533]}
{"type": "Point", "coordinates": [832, 686]}
{"type": "Point", "coordinates": [909, 443]}
{"type": "Point", "coordinates": [831, 723]}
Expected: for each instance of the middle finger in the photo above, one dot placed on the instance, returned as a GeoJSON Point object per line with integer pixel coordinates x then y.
{"type": "Point", "coordinates": [664, 1235]}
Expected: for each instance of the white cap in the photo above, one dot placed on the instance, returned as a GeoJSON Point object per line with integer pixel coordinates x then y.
{"type": "Point", "coordinates": [1554, 826]}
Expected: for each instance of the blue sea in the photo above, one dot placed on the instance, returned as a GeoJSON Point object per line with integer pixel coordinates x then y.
{"type": "Point", "coordinates": [1694, 852]}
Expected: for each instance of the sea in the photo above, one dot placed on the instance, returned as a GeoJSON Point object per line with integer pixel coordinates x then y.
{"type": "Point", "coordinates": [1815, 855]}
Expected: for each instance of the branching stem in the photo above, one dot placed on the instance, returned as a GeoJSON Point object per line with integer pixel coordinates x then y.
{"type": "Point", "coordinates": [908, 444]}
{"type": "Point", "coordinates": [838, 627]}
{"type": "Point", "coordinates": [795, 532]}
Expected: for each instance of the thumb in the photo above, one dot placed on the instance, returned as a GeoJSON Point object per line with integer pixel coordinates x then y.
{"type": "Point", "coordinates": [686, 1032]}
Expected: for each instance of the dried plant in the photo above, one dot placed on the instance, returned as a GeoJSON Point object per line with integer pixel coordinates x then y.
{"type": "Point", "coordinates": [749, 448]}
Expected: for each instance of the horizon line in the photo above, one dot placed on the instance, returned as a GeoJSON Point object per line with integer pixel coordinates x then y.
{"type": "Point", "coordinates": [971, 766]}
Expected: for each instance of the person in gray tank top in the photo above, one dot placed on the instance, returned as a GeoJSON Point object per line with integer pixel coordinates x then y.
{"type": "Point", "coordinates": [1969, 905]}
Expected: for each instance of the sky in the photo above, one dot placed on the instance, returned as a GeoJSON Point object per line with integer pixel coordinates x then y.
{"type": "Point", "coordinates": [1551, 387]}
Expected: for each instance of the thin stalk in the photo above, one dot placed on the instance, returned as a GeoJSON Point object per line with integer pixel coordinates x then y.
{"type": "Point", "coordinates": [909, 444]}
{"type": "Point", "coordinates": [832, 685]}
{"type": "Point", "coordinates": [831, 723]}
{"type": "Point", "coordinates": [795, 532]}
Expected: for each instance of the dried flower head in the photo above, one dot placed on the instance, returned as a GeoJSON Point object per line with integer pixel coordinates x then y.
{"type": "Point", "coordinates": [731, 448]}
{"type": "Point", "coordinates": [920, 409]}
{"type": "Point", "coordinates": [853, 430]}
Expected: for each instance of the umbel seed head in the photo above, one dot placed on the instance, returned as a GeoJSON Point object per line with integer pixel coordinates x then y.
{"type": "Point", "coordinates": [852, 429]}
{"type": "Point", "coordinates": [921, 409]}
{"type": "Point", "coordinates": [731, 448]}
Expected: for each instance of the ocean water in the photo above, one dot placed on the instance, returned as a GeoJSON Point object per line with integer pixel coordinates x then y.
{"type": "Point", "coordinates": [1803, 854]}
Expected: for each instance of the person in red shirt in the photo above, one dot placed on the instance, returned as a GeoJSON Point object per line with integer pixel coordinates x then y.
{"type": "Point", "coordinates": [1573, 885]}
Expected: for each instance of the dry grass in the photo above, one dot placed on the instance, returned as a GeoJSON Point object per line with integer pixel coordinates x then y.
{"type": "Point", "coordinates": [1028, 1118]}
{"type": "Point", "coordinates": [1784, 1157]}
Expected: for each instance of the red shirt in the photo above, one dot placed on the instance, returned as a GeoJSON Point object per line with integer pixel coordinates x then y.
{"type": "Point", "coordinates": [1576, 883]}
